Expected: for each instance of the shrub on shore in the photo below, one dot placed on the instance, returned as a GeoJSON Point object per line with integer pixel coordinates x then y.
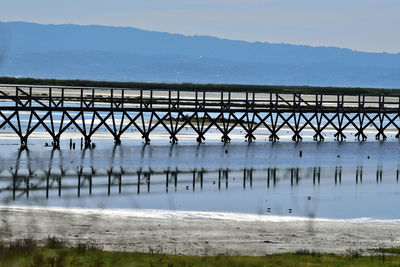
{"type": "Point", "coordinates": [58, 252]}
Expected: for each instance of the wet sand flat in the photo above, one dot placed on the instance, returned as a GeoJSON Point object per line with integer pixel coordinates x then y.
{"type": "Point", "coordinates": [197, 233]}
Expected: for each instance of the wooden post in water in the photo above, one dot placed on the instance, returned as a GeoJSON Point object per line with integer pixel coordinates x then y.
{"type": "Point", "coordinates": [109, 181]}
{"type": "Point", "coordinates": [90, 184]}
{"type": "Point", "coordinates": [166, 181]}
{"type": "Point", "coordinates": [138, 183]}
{"type": "Point", "coordinates": [119, 183]}
{"type": "Point", "coordinates": [244, 178]}
{"type": "Point", "coordinates": [194, 177]}
{"type": "Point", "coordinates": [59, 186]}
{"type": "Point", "coordinates": [27, 186]}
{"type": "Point", "coordinates": [357, 175]}
{"type": "Point", "coordinates": [226, 178]}
{"type": "Point", "coordinates": [201, 180]}
{"type": "Point", "coordinates": [319, 175]}
{"type": "Point", "coordinates": [314, 172]}
{"type": "Point", "coordinates": [147, 175]}
{"type": "Point", "coordinates": [176, 180]}
{"type": "Point", "coordinates": [251, 177]}
{"type": "Point", "coordinates": [14, 185]}
{"type": "Point", "coordinates": [79, 184]}
{"type": "Point", "coordinates": [291, 177]}
{"type": "Point", "coordinates": [336, 175]}
{"type": "Point", "coordinates": [219, 179]}
{"type": "Point", "coordinates": [47, 184]}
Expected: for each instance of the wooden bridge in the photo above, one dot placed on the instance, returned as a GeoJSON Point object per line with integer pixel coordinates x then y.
{"type": "Point", "coordinates": [118, 110]}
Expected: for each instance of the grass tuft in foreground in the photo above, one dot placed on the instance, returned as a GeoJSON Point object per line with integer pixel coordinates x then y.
{"type": "Point", "coordinates": [56, 252]}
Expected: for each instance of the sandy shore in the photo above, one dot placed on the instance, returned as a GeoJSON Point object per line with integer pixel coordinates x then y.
{"type": "Point", "coordinates": [197, 233]}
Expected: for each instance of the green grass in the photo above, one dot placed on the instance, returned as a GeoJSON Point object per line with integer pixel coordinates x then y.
{"type": "Point", "coordinates": [204, 87]}
{"type": "Point", "coordinates": [76, 257]}
{"type": "Point", "coordinates": [55, 252]}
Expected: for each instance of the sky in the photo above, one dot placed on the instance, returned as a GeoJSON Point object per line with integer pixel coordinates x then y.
{"type": "Point", "coordinates": [365, 25]}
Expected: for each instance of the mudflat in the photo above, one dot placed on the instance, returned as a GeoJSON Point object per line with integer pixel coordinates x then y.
{"type": "Point", "coordinates": [197, 233]}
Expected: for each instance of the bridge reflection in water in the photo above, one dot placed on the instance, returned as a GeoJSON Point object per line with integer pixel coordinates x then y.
{"type": "Point", "coordinates": [58, 178]}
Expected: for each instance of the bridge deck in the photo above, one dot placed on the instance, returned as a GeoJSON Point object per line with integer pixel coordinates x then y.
{"type": "Point", "coordinates": [133, 99]}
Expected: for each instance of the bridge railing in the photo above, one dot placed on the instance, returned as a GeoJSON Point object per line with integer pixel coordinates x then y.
{"type": "Point", "coordinates": [134, 99]}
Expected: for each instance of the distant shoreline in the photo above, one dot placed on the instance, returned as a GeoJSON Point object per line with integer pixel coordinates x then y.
{"type": "Point", "coordinates": [202, 87]}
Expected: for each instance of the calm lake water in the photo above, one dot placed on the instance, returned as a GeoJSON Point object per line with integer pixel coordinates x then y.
{"type": "Point", "coordinates": [327, 179]}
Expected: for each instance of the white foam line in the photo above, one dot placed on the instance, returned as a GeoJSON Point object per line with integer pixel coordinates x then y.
{"type": "Point", "coordinates": [182, 215]}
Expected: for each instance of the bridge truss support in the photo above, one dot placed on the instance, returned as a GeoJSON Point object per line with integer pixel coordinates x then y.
{"type": "Point", "coordinates": [268, 124]}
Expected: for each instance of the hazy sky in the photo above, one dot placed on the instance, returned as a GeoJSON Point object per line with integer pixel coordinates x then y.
{"type": "Point", "coordinates": [367, 25]}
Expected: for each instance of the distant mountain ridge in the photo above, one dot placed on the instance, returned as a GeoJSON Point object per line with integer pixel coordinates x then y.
{"type": "Point", "coordinates": [121, 53]}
